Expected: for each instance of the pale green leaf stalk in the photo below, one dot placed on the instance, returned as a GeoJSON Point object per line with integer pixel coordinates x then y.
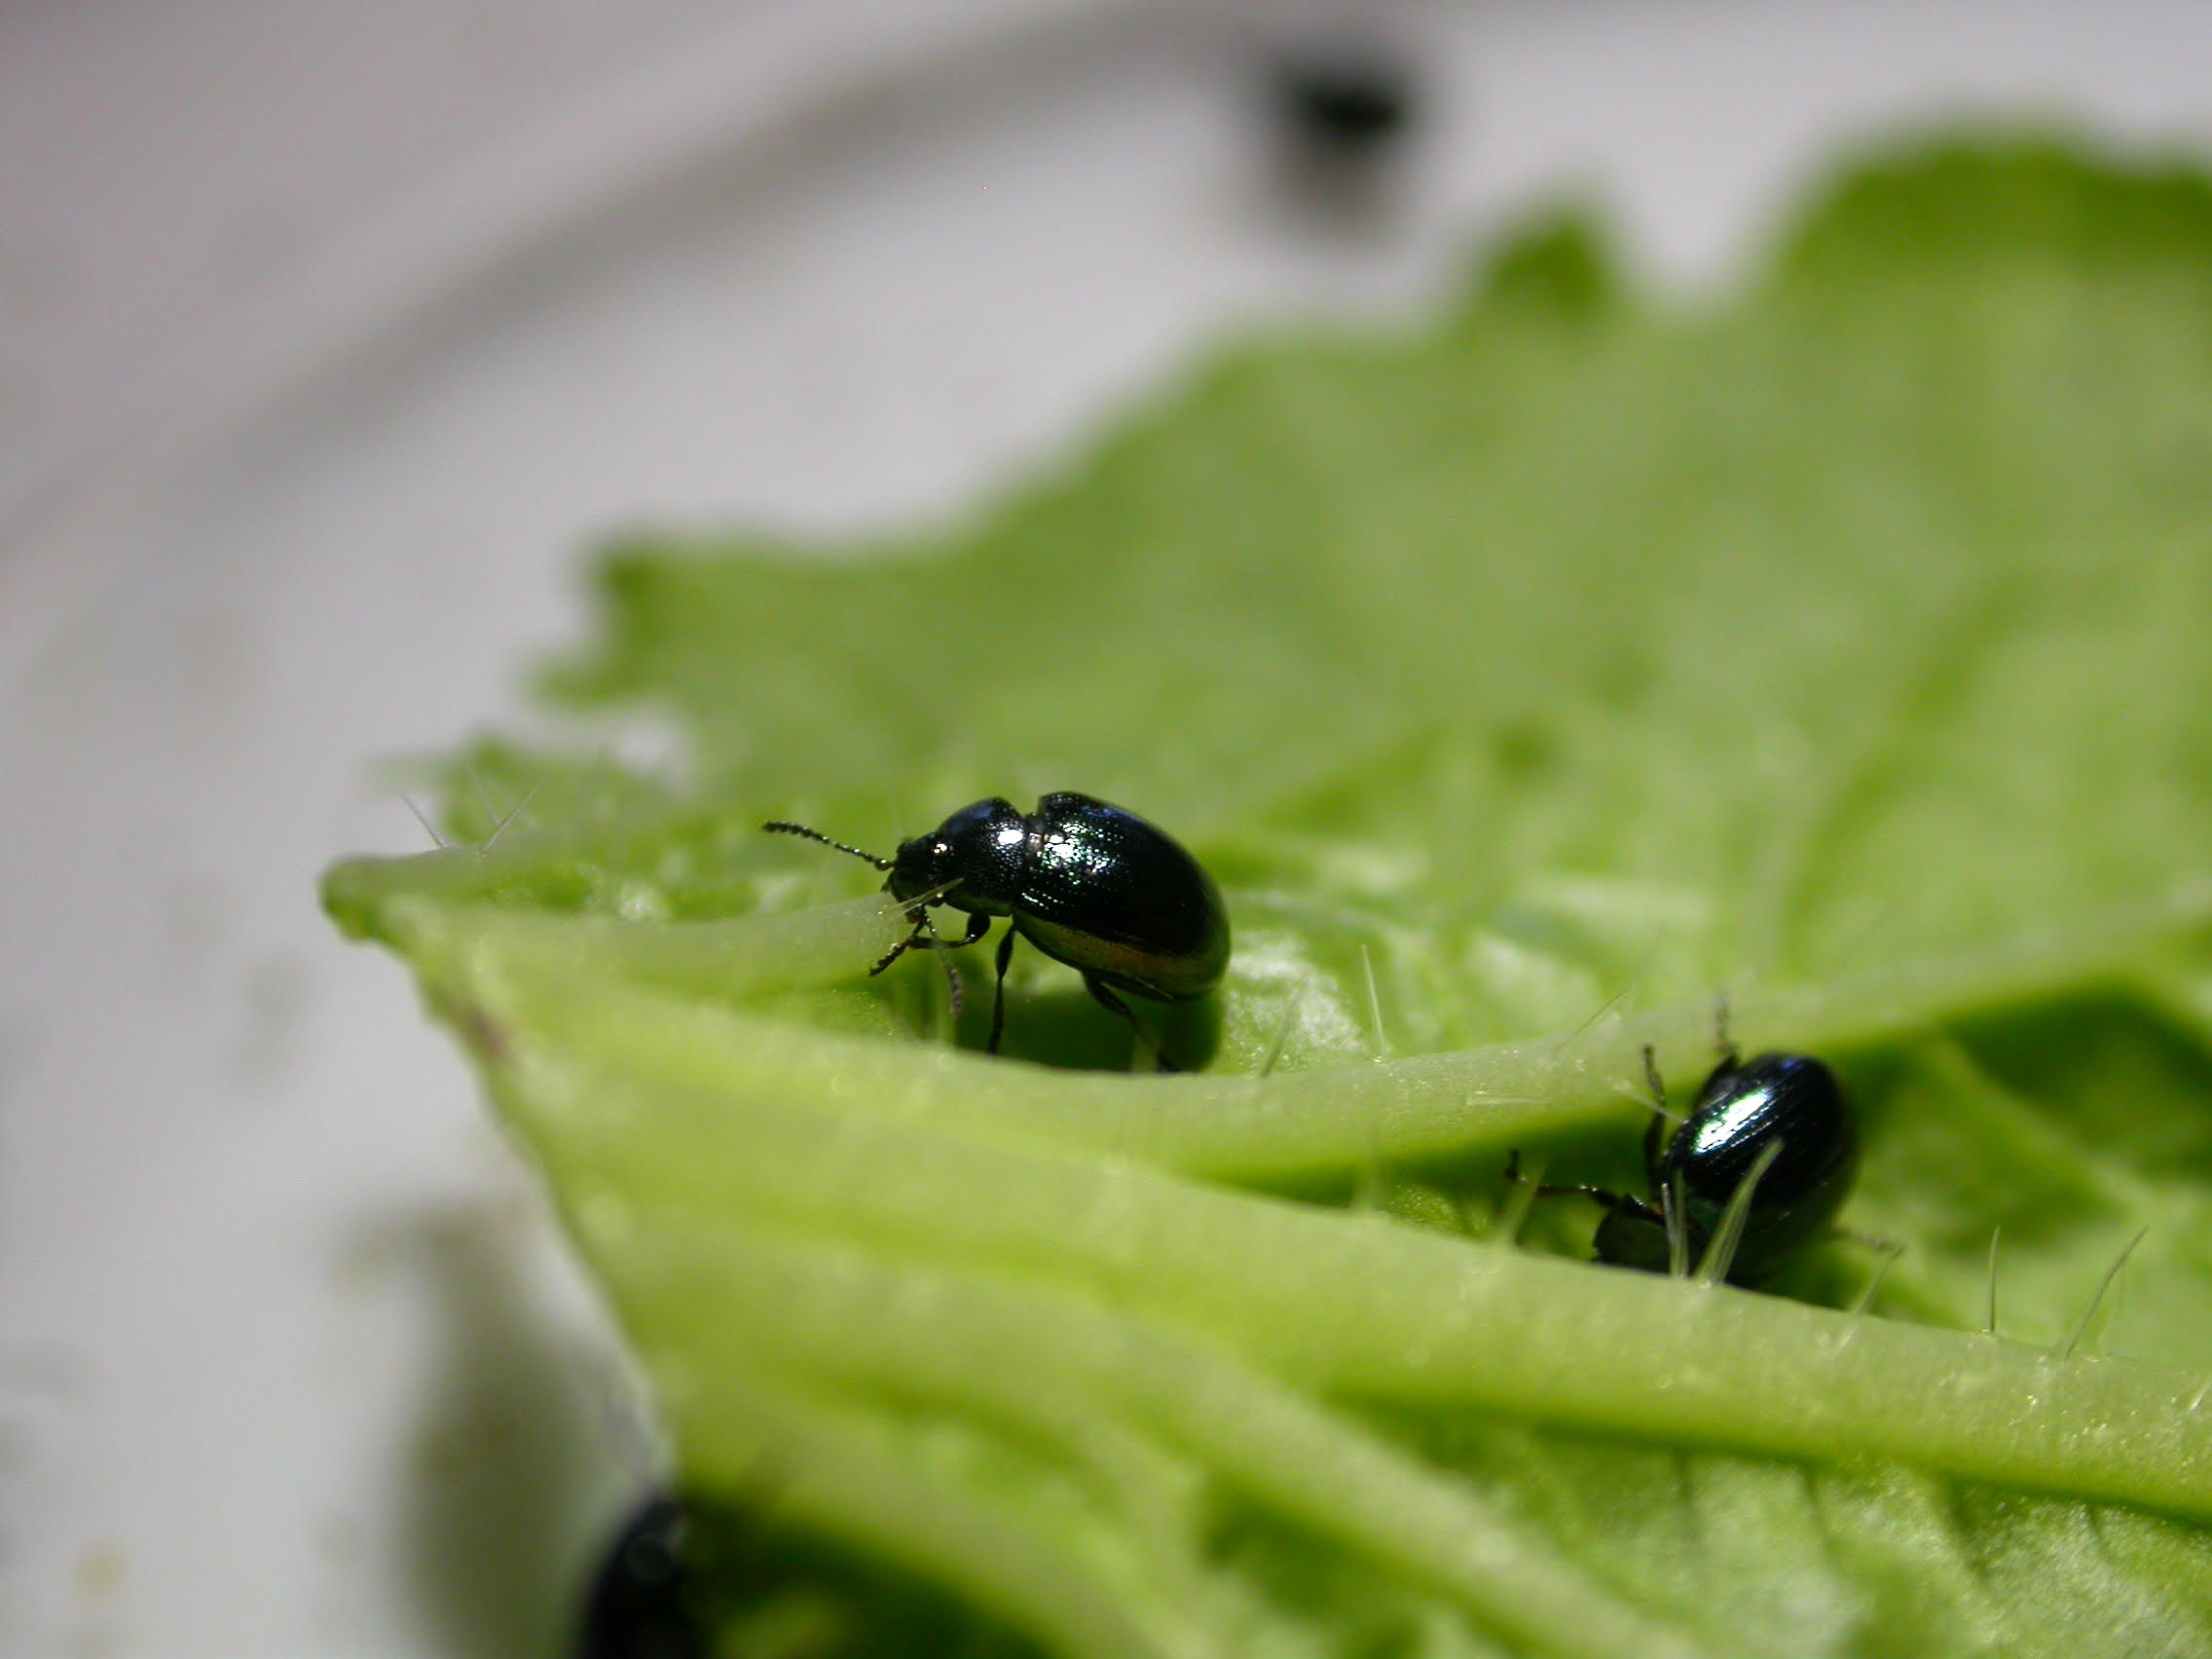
{"type": "Point", "coordinates": [1532, 683]}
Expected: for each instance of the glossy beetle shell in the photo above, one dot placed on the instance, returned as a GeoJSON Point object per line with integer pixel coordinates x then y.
{"type": "Point", "coordinates": [1088, 883]}
{"type": "Point", "coordinates": [1085, 882]}
{"type": "Point", "coordinates": [1742, 1107]}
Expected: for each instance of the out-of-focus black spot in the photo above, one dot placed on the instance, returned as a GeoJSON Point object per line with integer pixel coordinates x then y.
{"type": "Point", "coordinates": [637, 1605]}
{"type": "Point", "coordinates": [686, 1579]}
{"type": "Point", "coordinates": [1353, 103]}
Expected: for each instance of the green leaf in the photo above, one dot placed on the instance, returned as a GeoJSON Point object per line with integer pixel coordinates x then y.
{"type": "Point", "coordinates": [1528, 680]}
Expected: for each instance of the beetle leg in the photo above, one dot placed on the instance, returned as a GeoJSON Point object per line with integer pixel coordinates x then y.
{"type": "Point", "coordinates": [978, 927]}
{"type": "Point", "coordinates": [951, 972]}
{"type": "Point", "coordinates": [925, 933]}
{"type": "Point", "coordinates": [1105, 997]}
{"type": "Point", "coordinates": [1617, 1203]}
{"type": "Point", "coordinates": [998, 999]}
{"type": "Point", "coordinates": [912, 942]}
{"type": "Point", "coordinates": [1621, 1204]}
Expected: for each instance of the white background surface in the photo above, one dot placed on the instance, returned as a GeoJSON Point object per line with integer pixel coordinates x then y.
{"type": "Point", "coordinates": [330, 336]}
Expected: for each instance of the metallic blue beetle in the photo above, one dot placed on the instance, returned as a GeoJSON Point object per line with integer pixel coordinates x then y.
{"type": "Point", "coordinates": [1089, 884]}
{"type": "Point", "coordinates": [1791, 1103]}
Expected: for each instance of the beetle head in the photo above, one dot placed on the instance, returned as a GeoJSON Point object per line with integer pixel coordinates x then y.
{"type": "Point", "coordinates": [926, 862]}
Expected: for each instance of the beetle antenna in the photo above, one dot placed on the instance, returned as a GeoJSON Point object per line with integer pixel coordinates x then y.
{"type": "Point", "coordinates": [1720, 1251]}
{"type": "Point", "coordinates": [2066, 1349]}
{"type": "Point", "coordinates": [1723, 1042]}
{"type": "Point", "coordinates": [780, 827]}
